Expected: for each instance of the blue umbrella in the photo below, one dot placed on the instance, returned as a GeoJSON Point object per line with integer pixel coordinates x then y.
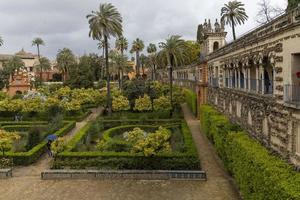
{"type": "Point", "coordinates": [51, 137]}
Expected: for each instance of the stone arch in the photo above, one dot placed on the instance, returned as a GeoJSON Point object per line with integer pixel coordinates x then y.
{"type": "Point", "coordinates": [216, 46]}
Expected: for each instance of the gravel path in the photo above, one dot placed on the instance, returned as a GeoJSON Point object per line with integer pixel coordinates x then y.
{"type": "Point", "coordinates": [27, 185]}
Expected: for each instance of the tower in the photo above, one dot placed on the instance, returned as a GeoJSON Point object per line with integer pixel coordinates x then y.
{"type": "Point", "coordinates": [211, 39]}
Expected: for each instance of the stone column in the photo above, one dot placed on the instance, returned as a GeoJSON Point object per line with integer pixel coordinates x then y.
{"type": "Point", "coordinates": [249, 78]}
{"type": "Point", "coordinates": [262, 78]}
{"type": "Point", "coordinates": [236, 78]}
{"type": "Point", "coordinates": [257, 78]}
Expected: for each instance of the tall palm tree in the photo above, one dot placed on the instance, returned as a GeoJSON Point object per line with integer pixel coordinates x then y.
{"type": "Point", "coordinates": [174, 50]}
{"type": "Point", "coordinates": [143, 60]}
{"type": "Point", "coordinates": [137, 47]}
{"type": "Point", "coordinates": [121, 45]}
{"type": "Point", "coordinates": [105, 22]}
{"type": "Point", "coordinates": [1, 41]}
{"type": "Point", "coordinates": [151, 49]}
{"type": "Point", "coordinates": [65, 60]}
{"type": "Point", "coordinates": [38, 42]}
{"type": "Point", "coordinates": [101, 46]}
{"type": "Point", "coordinates": [234, 14]}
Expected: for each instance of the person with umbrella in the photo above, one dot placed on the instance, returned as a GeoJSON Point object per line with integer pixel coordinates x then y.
{"type": "Point", "coordinates": [50, 139]}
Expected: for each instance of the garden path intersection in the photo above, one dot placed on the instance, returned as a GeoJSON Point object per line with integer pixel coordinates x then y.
{"type": "Point", "coordinates": [26, 183]}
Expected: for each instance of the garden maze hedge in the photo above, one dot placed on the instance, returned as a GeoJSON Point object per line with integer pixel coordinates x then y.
{"type": "Point", "coordinates": [31, 156]}
{"type": "Point", "coordinates": [188, 160]}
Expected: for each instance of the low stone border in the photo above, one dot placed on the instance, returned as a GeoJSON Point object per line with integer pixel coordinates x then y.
{"type": "Point", "coordinates": [5, 173]}
{"type": "Point", "coordinates": [124, 174]}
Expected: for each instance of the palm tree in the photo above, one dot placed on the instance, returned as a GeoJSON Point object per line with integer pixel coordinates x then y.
{"type": "Point", "coordinates": [38, 42]}
{"type": "Point", "coordinates": [143, 60]}
{"type": "Point", "coordinates": [65, 60]}
{"type": "Point", "coordinates": [105, 22]}
{"type": "Point", "coordinates": [13, 64]}
{"type": "Point", "coordinates": [137, 47]}
{"type": "Point", "coordinates": [1, 41]}
{"type": "Point", "coordinates": [233, 14]}
{"type": "Point", "coordinates": [121, 45]}
{"type": "Point", "coordinates": [174, 51]}
{"type": "Point", "coordinates": [151, 49]}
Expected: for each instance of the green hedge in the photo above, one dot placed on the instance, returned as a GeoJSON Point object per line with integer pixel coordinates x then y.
{"type": "Point", "coordinates": [122, 160]}
{"type": "Point", "coordinates": [43, 116]}
{"type": "Point", "coordinates": [29, 157]}
{"type": "Point", "coordinates": [191, 100]}
{"type": "Point", "coordinates": [114, 123]}
{"type": "Point", "coordinates": [258, 173]}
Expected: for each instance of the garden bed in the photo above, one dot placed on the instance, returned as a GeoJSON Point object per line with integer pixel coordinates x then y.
{"type": "Point", "coordinates": [74, 158]}
{"type": "Point", "coordinates": [32, 155]}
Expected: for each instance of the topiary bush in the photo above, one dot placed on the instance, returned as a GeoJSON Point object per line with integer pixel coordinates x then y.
{"type": "Point", "coordinates": [143, 104]}
{"type": "Point", "coordinates": [120, 103]}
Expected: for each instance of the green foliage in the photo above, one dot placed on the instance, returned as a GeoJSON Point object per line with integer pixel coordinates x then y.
{"type": "Point", "coordinates": [6, 140]}
{"type": "Point", "coordinates": [34, 137]}
{"type": "Point", "coordinates": [81, 75]}
{"type": "Point", "coordinates": [120, 103]}
{"type": "Point", "coordinates": [135, 135]}
{"type": "Point", "coordinates": [58, 146]}
{"type": "Point", "coordinates": [55, 123]}
{"type": "Point", "coordinates": [259, 174]}
{"type": "Point", "coordinates": [113, 146]}
{"type": "Point", "coordinates": [3, 96]}
{"type": "Point", "coordinates": [191, 100]}
{"type": "Point", "coordinates": [29, 157]}
{"type": "Point", "coordinates": [5, 163]}
{"type": "Point", "coordinates": [192, 52]}
{"type": "Point", "coordinates": [187, 160]}
{"type": "Point", "coordinates": [133, 89]}
{"type": "Point", "coordinates": [162, 104]}
{"type": "Point", "coordinates": [143, 104]}
{"type": "Point", "coordinates": [154, 143]}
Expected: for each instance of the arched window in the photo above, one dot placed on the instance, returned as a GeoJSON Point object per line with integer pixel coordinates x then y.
{"type": "Point", "coordinates": [216, 46]}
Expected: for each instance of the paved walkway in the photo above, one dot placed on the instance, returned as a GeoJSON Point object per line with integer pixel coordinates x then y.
{"type": "Point", "coordinates": [27, 185]}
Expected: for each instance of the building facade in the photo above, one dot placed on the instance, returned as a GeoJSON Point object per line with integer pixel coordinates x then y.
{"type": "Point", "coordinates": [255, 81]}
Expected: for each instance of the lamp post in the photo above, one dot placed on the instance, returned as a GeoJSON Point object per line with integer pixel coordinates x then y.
{"type": "Point", "coordinates": [171, 87]}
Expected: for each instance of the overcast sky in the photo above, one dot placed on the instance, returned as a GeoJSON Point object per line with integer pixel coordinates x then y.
{"type": "Point", "coordinates": [63, 23]}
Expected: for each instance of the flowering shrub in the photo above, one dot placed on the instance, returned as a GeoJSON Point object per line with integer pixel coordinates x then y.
{"type": "Point", "coordinates": [120, 103]}
{"type": "Point", "coordinates": [143, 104]}
{"type": "Point", "coordinates": [162, 104]}
{"type": "Point", "coordinates": [134, 135]}
{"type": "Point", "coordinates": [58, 146]}
{"type": "Point", "coordinates": [154, 143]}
{"type": "Point", "coordinates": [7, 139]}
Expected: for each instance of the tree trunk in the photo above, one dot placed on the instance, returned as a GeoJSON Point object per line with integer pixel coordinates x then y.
{"type": "Point", "coordinates": [41, 68]}
{"type": "Point", "coordinates": [137, 63]}
{"type": "Point", "coordinates": [233, 29]}
{"type": "Point", "coordinates": [109, 103]}
{"type": "Point", "coordinates": [171, 90]}
{"type": "Point", "coordinates": [154, 72]}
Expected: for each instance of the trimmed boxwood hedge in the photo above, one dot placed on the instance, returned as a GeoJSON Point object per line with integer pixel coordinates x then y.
{"type": "Point", "coordinates": [122, 160]}
{"type": "Point", "coordinates": [191, 100]}
{"type": "Point", "coordinates": [29, 157]}
{"type": "Point", "coordinates": [258, 173]}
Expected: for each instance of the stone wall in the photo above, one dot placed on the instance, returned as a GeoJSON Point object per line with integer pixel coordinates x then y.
{"type": "Point", "coordinates": [124, 174]}
{"type": "Point", "coordinates": [273, 124]}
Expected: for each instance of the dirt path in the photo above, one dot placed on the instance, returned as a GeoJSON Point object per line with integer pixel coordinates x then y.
{"type": "Point", "coordinates": [219, 183]}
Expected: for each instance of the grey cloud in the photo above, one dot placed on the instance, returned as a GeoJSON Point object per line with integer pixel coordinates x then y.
{"type": "Point", "coordinates": [62, 23]}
